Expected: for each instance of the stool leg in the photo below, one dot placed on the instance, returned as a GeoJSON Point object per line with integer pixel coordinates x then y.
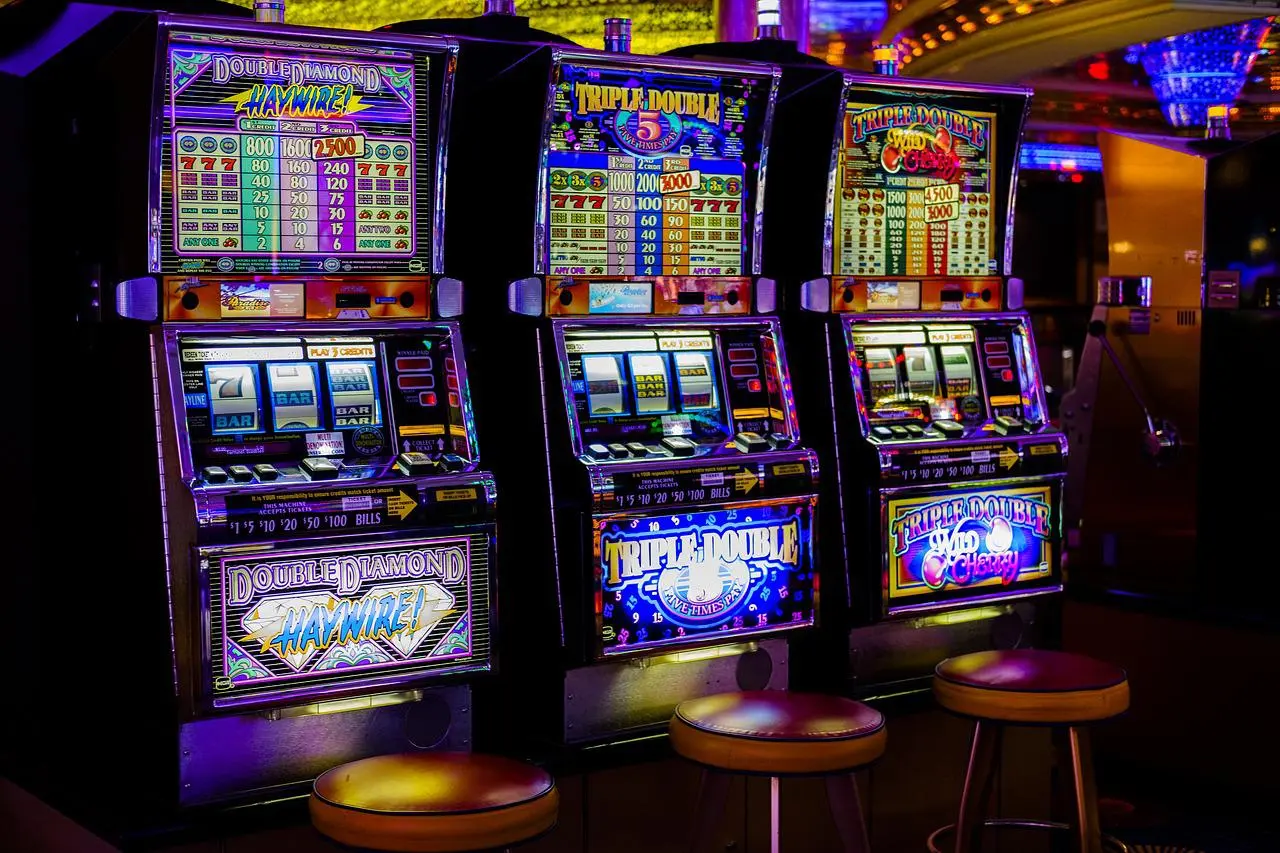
{"type": "Point", "coordinates": [1087, 825]}
{"type": "Point", "coordinates": [979, 784]}
{"type": "Point", "coordinates": [846, 811]}
{"type": "Point", "coordinates": [775, 814]}
{"type": "Point", "coordinates": [713, 792]}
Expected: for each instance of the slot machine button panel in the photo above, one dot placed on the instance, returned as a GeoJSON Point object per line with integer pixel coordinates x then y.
{"type": "Point", "coordinates": [915, 430]}
{"type": "Point", "coordinates": [241, 473]}
{"type": "Point", "coordinates": [679, 446]}
{"type": "Point", "coordinates": [619, 451]}
{"type": "Point", "coordinates": [750, 442]}
{"type": "Point", "coordinates": [453, 462]}
{"type": "Point", "coordinates": [214, 474]}
{"type": "Point", "coordinates": [413, 464]}
{"type": "Point", "coordinates": [778, 441]}
{"type": "Point", "coordinates": [265, 472]}
{"type": "Point", "coordinates": [637, 449]}
{"type": "Point", "coordinates": [899, 432]}
{"type": "Point", "coordinates": [1006, 425]}
{"type": "Point", "coordinates": [882, 432]}
{"type": "Point", "coordinates": [598, 451]}
{"type": "Point", "coordinates": [319, 468]}
{"type": "Point", "coordinates": [949, 429]}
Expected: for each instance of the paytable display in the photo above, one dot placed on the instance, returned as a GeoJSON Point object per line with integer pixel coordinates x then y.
{"type": "Point", "coordinates": [915, 193]}
{"type": "Point", "coordinates": [647, 172]}
{"type": "Point", "coordinates": [294, 159]}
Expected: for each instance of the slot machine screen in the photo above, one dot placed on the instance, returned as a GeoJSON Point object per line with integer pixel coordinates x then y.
{"type": "Point", "coordinates": [915, 192]}
{"type": "Point", "coordinates": [652, 173]}
{"type": "Point", "coordinates": [921, 374]}
{"type": "Point", "coordinates": [640, 385]}
{"type": "Point", "coordinates": [703, 383]}
{"type": "Point", "coordinates": [251, 399]}
{"type": "Point", "coordinates": [283, 157]}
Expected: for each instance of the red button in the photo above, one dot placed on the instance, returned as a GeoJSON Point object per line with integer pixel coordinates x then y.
{"type": "Point", "coordinates": [753, 385]}
{"type": "Point", "coordinates": [742, 354]}
{"type": "Point", "coordinates": [738, 371]}
{"type": "Point", "coordinates": [452, 382]}
{"type": "Point", "coordinates": [453, 400]}
{"type": "Point", "coordinates": [995, 362]}
{"type": "Point", "coordinates": [416, 380]}
{"type": "Point", "coordinates": [427, 398]}
{"type": "Point", "coordinates": [408, 364]}
{"type": "Point", "coordinates": [449, 365]}
{"type": "Point", "coordinates": [1006, 375]}
{"type": "Point", "coordinates": [995, 346]}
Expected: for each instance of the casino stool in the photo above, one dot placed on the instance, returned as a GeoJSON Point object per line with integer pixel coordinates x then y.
{"type": "Point", "coordinates": [775, 733]}
{"type": "Point", "coordinates": [435, 802]}
{"type": "Point", "coordinates": [1028, 687]}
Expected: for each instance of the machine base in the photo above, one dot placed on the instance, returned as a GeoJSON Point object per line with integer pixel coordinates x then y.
{"type": "Point", "coordinates": [273, 754]}
{"type": "Point", "coordinates": [638, 696]}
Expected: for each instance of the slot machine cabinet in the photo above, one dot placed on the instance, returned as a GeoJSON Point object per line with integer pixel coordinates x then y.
{"type": "Point", "coordinates": [663, 546]}
{"type": "Point", "coordinates": [683, 500]}
{"type": "Point", "coordinates": [949, 474]}
{"type": "Point", "coordinates": [295, 530]}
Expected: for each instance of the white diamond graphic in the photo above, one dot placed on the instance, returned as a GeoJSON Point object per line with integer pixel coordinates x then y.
{"type": "Point", "coordinates": [265, 622]}
{"type": "Point", "coordinates": [437, 603]}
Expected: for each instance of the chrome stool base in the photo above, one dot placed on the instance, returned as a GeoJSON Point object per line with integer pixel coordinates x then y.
{"type": "Point", "coordinates": [1114, 845]}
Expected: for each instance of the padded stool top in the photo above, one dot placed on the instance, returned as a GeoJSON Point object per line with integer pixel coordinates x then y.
{"type": "Point", "coordinates": [434, 801]}
{"type": "Point", "coordinates": [1031, 686]}
{"type": "Point", "coordinates": [778, 732]}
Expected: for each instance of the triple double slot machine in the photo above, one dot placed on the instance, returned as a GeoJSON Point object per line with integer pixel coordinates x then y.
{"type": "Point", "coordinates": [304, 535]}
{"type": "Point", "coordinates": [663, 544]}
{"type": "Point", "coordinates": [921, 376]}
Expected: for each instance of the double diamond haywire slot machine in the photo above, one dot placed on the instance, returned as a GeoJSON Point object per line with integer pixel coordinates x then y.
{"type": "Point", "coordinates": [300, 529]}
{"type": "Point", "coordinates": [662, 545]}
{"type": "Point", "coordinates": [949, 470]}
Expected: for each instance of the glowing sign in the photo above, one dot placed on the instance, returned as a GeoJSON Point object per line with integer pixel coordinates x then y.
{"type": "Point", "coordinates": [915, 193]}
{"type": "Point", "coordinates": [673, 579]}
{"type": "Point", "coordinates": [286, 620]}
{"type": "Point", "coordinates": [648, 172]}
{"type": "Point", "coordinates": [279, 159]}
{"type": "Point", "coordinates": [993, 537]}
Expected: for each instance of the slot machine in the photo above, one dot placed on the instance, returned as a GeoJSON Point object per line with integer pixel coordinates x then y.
{"type": "Point", "coordinates": [682, 499]}
{"type": "Point", "coordinates": [951, 473]}
{"type": "Point", "coordinates": [663, 543]}
{"type": "Point", "coordinates": [916, 355]}
{"type": "Point", "coordinates": [296, 529]}
{"type": "Point", "coordinates": [916, 380]}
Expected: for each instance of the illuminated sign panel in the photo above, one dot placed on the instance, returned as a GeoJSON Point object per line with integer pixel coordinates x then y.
{"type": "Point", "coordinates": [916, 192]}
{"type": "Point", "coordinates": [648, 172]}
{"type": "Point", "coordinates": [289, 621]}
{"type": "Point", "coordinates": [282, 158]}
{"type": "Point", "coordinates": [680, 577]}
{"type": "Point", "coordinates": [982, 540]}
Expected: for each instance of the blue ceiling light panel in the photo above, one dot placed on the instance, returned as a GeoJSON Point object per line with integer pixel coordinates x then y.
{"type": "Point", "coordinates": [847, 17]}
{"type": "Point", "coordinates": [1194, 71]}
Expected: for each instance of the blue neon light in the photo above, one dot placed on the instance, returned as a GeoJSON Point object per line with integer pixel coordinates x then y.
{"type": "Point", "coordinates": [1060, 158]}
{"type": "Point", "coordinates": [1194, 71]}
{"type": "Point", "coordinates": [847, 17]}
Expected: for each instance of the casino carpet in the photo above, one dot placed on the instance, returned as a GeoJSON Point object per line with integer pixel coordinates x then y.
{"type": "Point", "coordinates": [1204, 826]}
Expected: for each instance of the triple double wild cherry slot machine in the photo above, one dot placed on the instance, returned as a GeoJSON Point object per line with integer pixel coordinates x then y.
{"type": "Point", "coordinates": [669, 524]}
{"type": "Point", "coordinates": [299, 527]}
{"type": "Point", "coordinates": [949, 472]}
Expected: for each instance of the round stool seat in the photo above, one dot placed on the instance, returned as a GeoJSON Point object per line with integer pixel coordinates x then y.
{"type": "Point", "coordinates": [438, 802]}
{"type": "Point", "coordinates": [1031, 686]}
{"type": "Point", "coordinates": [778, 733]}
